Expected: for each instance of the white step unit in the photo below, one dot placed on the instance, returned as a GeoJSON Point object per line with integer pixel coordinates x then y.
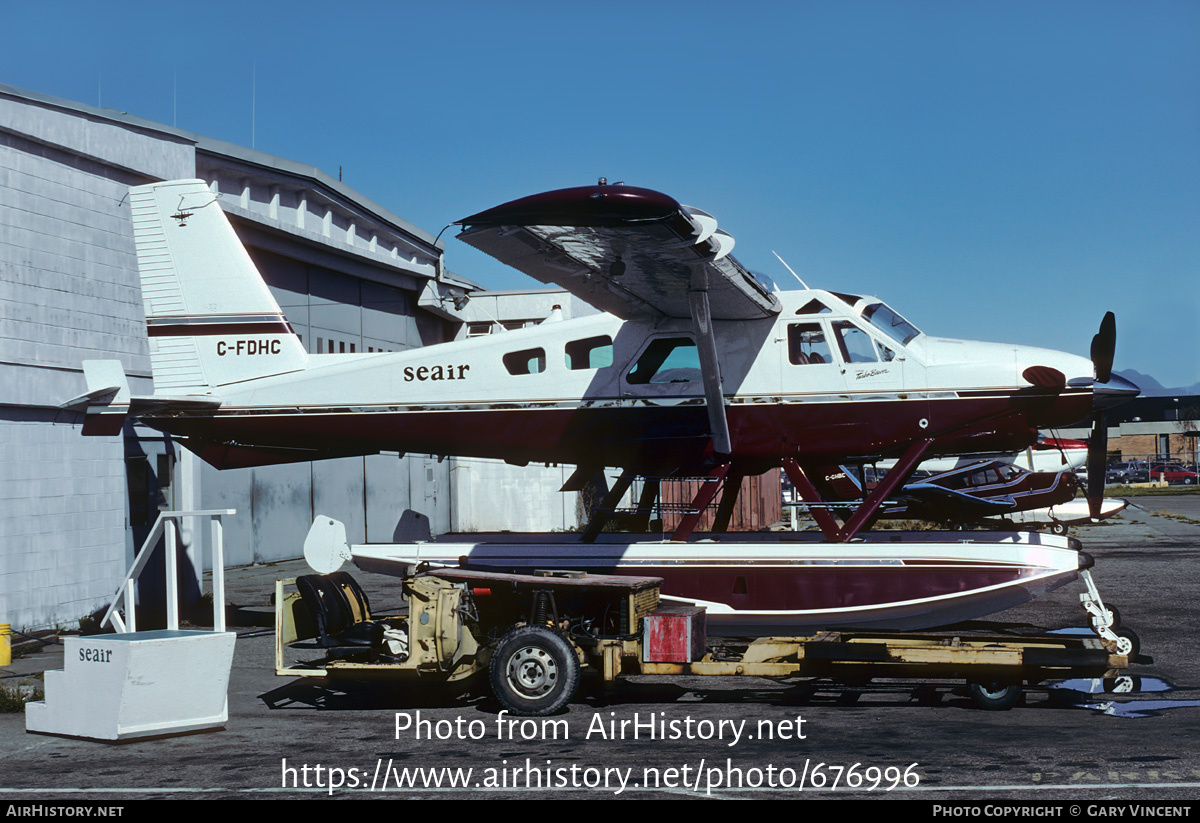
{"type": "Point", "coordinates": [139, 684]}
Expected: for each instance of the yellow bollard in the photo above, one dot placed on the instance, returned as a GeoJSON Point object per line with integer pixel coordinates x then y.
{"type": "Point", "coordinates": [5, 644]}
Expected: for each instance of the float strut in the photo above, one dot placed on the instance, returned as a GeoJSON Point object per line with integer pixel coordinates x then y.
{"type": "Point", "coordinates": [700, 502]}
{"type": "Point", "coordinates": [867, 509]}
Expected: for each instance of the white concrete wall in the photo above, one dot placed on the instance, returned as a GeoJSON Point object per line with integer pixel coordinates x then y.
{"type": "Point", "coordinates": [68, 292]}
{"type": "Point", "coordinates": [492, 496]}
{"type": "Point", "coordinates": [62, 533]}
{"type": "Point", "coordinates": [531, 305]}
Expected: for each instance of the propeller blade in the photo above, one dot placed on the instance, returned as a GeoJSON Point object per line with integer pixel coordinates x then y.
{"type": "Point", "coordinates": [1097, 463]}
{"type": "Point", "coordinates": [1104, 347]}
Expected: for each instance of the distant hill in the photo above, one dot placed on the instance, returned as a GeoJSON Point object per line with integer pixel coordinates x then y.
{"type": "Point", "coordinates": [1152, 388]}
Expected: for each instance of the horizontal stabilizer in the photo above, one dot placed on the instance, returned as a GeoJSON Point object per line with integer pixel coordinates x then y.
{"type": "Point", "coordinates": [106, 401]}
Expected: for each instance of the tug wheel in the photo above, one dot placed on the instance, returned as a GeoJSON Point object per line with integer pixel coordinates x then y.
{"type": "Point", "coordinates": [534, 671]}
{"type": "Point", "coordinates": [996, 697]}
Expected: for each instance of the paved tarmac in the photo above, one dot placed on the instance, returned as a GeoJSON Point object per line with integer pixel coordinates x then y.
{"type": "Point", "coordinates": [282, 733]}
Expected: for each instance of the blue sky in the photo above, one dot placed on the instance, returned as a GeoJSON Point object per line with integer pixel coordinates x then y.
{"type": "Point", "coordinates": [999, 171]}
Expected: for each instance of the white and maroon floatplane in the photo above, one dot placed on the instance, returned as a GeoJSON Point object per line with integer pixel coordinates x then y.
{"type": "Point", "coordinates": [694, 368]}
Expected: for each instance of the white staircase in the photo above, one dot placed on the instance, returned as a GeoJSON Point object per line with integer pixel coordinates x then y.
{"type": "Point", "coordinates": [140, 684]}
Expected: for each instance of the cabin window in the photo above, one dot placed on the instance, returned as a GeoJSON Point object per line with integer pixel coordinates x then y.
{"type": "Point", "coordinates": [855, 344]}
{"type": "Point", "coordinates": [529, 361]}
{"type": "Point", "coordinates": [667, 360]}
{"type": "Point", "coordinates": [985, 476]}
{"type": "Point", "coordinates": [807, 345]}
{"type": "Point", "coordinates": [813, 306]}
{"type": "Point", "coordinates": [955, 481]}
{"type": "Point", "coordinates": [591, 353]}
{"type": "Point", "coordinates": [478, 329]}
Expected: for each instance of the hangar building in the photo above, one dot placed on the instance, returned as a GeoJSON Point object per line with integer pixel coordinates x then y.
{"type": "Point", "coordinates": [349, 275]}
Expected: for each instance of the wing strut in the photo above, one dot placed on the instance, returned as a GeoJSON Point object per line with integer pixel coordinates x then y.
{"type": "Point", "coordinates": [710, 367]}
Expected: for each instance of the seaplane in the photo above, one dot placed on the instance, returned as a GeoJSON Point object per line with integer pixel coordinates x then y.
{"type": "Point", "coordinates": [694, 368]}
{"type": "Point", "coordinates": [1048, 454]}
{"type": "Point", "coordinates": [963, 496]}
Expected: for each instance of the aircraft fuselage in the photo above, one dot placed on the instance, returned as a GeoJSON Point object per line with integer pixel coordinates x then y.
{"type": "Point", "coordinates": [818, 381]}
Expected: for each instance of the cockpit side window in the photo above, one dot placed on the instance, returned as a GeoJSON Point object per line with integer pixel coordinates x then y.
{"type": "Point", "coordinates": [855, 344]}
{"type": "Point", "coordinates": [667, 360]}
{"type": "Point", "coordinates": [887, 321]}
{"type": "Point", "coordinates": [1008, 472]}
{"type": "Point", "coordinates": [807, 345]}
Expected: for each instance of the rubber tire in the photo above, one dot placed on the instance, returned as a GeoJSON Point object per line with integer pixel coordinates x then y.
{"type": "Point", "coordinates": [1058, 528]}
{"type": "Point", "coordinates": [995, 697]}
{"type": "Point", "coordinates": [534, 671]}
{"type": "Point", "coordinates": [1122, 631]}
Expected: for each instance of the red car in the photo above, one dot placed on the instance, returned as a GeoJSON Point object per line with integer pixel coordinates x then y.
{"type": "Point", "coordinates": [1174, 474]}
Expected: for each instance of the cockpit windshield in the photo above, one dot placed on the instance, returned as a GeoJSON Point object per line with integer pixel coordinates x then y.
{"type": "Point", "coordinates": [887, 321]}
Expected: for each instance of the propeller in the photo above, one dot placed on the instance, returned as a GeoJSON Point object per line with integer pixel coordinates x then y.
{"type": "Point", "coordinates": [1104, 347]}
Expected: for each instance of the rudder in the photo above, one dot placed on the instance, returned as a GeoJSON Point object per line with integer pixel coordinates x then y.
{"type": "Point", "coordinates": [210, 317]}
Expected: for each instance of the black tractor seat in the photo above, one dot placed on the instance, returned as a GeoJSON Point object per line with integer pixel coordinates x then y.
{"type": "Point", "coordinates": [341, 613]}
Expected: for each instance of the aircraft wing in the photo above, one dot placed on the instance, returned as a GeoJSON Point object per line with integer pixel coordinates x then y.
{"type": "Point", "coordinates": [628, 251]}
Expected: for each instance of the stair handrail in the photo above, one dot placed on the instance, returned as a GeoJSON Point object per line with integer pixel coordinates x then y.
{"type": "Point", "coordinates": [166, 524]}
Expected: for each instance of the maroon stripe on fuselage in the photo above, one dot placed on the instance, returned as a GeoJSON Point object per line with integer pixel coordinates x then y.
{"type": "Point", "coordinates": [208, 329]}
{"type": "Point", "coordinates": [641, 435]}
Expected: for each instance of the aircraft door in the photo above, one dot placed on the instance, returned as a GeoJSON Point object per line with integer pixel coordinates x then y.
{"type": "Point", "coordinates": [867, 364]}
{"type": "Point", "coordinates": [808, 362]}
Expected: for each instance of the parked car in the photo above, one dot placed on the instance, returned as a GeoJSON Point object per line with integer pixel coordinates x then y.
{"type": "Point", "coordinates": [1174, 474]}
{"type": "Point", "coordinates": [1131, 472]}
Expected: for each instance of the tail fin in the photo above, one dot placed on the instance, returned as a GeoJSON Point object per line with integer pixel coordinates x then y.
{"type": "Point", "coordinates": [210, 317]}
